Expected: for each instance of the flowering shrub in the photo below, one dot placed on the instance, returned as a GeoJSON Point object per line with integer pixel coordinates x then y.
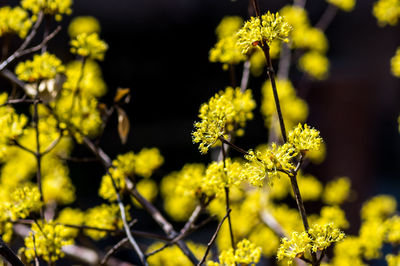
{"type": "Point", "coordinates": [255, 195]}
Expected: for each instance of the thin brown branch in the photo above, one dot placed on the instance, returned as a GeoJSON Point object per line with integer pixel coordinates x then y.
{"type": "Point", "coordinates": [113, 250]}
{"type": "Point", "coordinates": [26, 42]}
{"type": "Point", "coordinates": [233, 145]}
{"type": "Point", "coordinates": [79, 160]}
{"type": "Point", "coordinates": [40, 45]}
{"type": "Point", "coordinates": [19, 145]}
{"type": "Point", "coordinates": [8, 254]}
{"type": "Point", "coordinates": [212, 240]}
{"type": "Point", "coordinates": [54, 143]}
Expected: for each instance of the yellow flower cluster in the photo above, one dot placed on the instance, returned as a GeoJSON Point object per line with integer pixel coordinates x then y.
{"type": "Point", "coordinates": [315, 64]}
{"type": "Point", "coordinates": [269, 161]}
{"type": "Point", "coordinates": [89, 45]}
{"type": "Point", "coordinates": [148, 189]}
{"type": "Point", "coordinates": [345, 5]}
{"type": "Point", "coordinates": [295, 109]}
{"type": "Point", "coordinates": [262, 32]}
{"type": "Point", "coordinates": [46, 241]}
{"type": "Point", "coordinates": [304, 138]}
{"type": "Point", "coordinates": [23, 201]}
{"type": "Point", "coordinates": [70, 216]}
{"type": "Point", "coordinates": [172, 255]}
{"type": "Point", "coordinates": [246, 253]}
{"type": "Point", "coordinates": [393, 260]}
{"type": "Point", "coordinates": [387, 12]}
{"type": "Point", "coordinates": [102, 216]}
{"type": "Point", "coordinates": [337, 191]}
{"type": "Point", "coordinates": [225, 50]}
{"type": "Point", "coordinates": [223, 112]}
{"type": "Point", "coordinates": [14, 20]}
{"type": "Point", "coordinates": [89, 77]}
{"type": "Point", "coordinates": [56, 8]}
{"type": "Point", "coordinates": [11, 124]}
{"type": "Point", "coordinates": [43, 66]}
{"type": "Point", "coordinates": [395, 63]}
{"type": "Point", "coordinates": [83, 24]}
{"type": "Point", "coordinates": [319, 237]}
{"type": "Point", "coordinates": [378, 208]}
{"type": "Point", "coordinates": [220, 175]}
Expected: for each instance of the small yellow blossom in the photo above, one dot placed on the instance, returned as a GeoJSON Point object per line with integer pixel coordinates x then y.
{"type": "Point", "coordinates": [56, 8]}
{"type": "Point", "coordinates": [304, 138]}
{"type": "Point", "coordinates": [297, 246]}
{"type": "Point", "coordinates": [310, 38]}
{"type": "Point", "coordinates": [148, 189]}
{"type": "Point", "coordinates": [14, 20]}
{"type": "Point", "coordinates": [23, 201]}
{"type": "Point", "coordinates": [226, 52]}
{"type": "Point", "coordinates": [147, 161]}
{"type": "Point", "coordinates": [11, 124]}
{"type": "Point", "coordinates": [89, 45]}
{"type": "Point", "coordinates": [395, 63]}
{"type": "Point", "coordinates": [309, 186]}
{"type": "Point", "coordinates": [387, 12]}
{"type": "Point", "coordinates": [333, 214]}
{"type": "Point", "coordinates": [393, 230]}
{"type": "Point", "coordinates": [268, 162]}
{"type": "Point", "coordinates": [256, 32]}
{"type": "Point", "coordinates": [70, 216]}
{"type": "Point", "coordinates": [345, 5]}
{"type": "Point", "coordinates": [337, 191]}
{"type": "Point", "coordinates": [228, 26]}
{"type": "Point", "coordinates": [83, 24]}
{"type": "Point", "coordinates": [107, 190]}
{"type": "Point", "coordinates": [47, 241]}
{"type": "Point", "coordinates": [246, 253]}
{"type": "Point", "coordinates": [393, 260]}
{"type": "Point", "coordinates": [315, 64]}
{"type": "Point", "coordinates": [378, 208]}
{"type": "Point", "coordinates": [221, 114]}
{"type": "Point", "coordinates": [348, 252]}
{"type": "Point", "coordinates": [44, 66]}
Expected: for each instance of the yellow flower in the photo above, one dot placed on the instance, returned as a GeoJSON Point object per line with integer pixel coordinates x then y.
{"type": "Point", "coordinates": [226, 52]}
{"type": "Point", "coordinates": [47, 241]}
{"type": "Point", "coordinates": [337, 191]}
{"type": "Point", "coordinates": [89, 45]}
{"type": "Point", "coordinates": [246, 253]}
{"type": "Point", "coordinates": [256, 32]}
{"type": "Point", "coordinates": [395, 63]}
{"type": "Point", "coordinates": [387, 12]}
{"type": "Point", "coordinates": [148, 189]}
{"type": "Point", "coordinates": [345, 5]}
{"type": "Point", "coordinates": [14, 20]}
{"type": "Point", "coordinates": [314, 64]}
{"type": "Point", "coordinates": [393, 260]}
{"type": "Point", "coordinates": [23, 201]}
{"type": "Point", "coordinates": [378, 208]}
{"type": "Point", "coordinates": [70, 216]}
{"type": "Point", "coordinates": [43, 66]}
{"type": "Point", "coordinates": [304, 138]}
{"type": "Point", "coordinates": [83, 24]}
{"type": "Point", "coordinates": [50, 7]}
{"type": "Point", "coordinates": [228, 26]}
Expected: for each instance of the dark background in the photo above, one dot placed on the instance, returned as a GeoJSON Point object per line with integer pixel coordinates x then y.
{"type": "Point", "coordinates": [159, 49]}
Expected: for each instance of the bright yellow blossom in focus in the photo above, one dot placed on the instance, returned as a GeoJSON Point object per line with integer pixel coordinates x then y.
{"type": "Point", "coordinates": [268, 162]}
{"type": "Point", "coordinates": [14, 20]}
{"type": "Point", "coordinates": [314, 64]}
{"type": "Point", "coordinates": [43, 66]}
{"type": "Point", "coordinates": [226, 52]}
{"type": "Point", "coordinates": [345, 5]}
{"type": "Point", "coordinates": [56, 8]}
{"type": "Point", "coordinates": [23, 201]}
{"type": "Point", "coordinates": [395, 64]}
{"type": "Point", "coordinates": [246, 253]}
{"type": "Point", "coordinates": [83, 24]}
{"type": "Point", "coordinates": [89, 45]}
{"type": "Point", "coordinates": [221, 114]}
{"type": "Point", "coordinates": [256, 32]}
{"type": "Point", "coordinates": [318, 238]}
{"type": "Point", "coordinates": [304, 138]}
{"type": "Point", "coordinates": [337, 191]}
{"type": "Point", "coordinates": [387, 12]}
{"type": "Point", "coordinates": [47, 241]}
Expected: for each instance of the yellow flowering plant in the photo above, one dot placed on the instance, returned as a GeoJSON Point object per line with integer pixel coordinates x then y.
{"type": "Point", "coordinates": [245, 206]}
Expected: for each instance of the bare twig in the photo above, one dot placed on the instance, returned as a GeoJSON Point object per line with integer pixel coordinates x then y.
{"type": "Point", "coordinates": [113, 250]}
{"type": "Point", "coordinates": [327, 17]}
{"type": "Point", "coordinates": [245, 76]}
{"type": "Point", "coordinates": [209, 245]}
{"type": "Point", "coordinates": [54, 143]}
{"type": "Point", "coordinates": [8, 254]}
{"type": "Point", "coordinates": [19, 145]}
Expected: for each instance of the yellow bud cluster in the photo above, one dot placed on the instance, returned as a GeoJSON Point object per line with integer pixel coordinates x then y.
{"type": "Point", "coordinates": [56, 8]}
{"type": "Point", "coordinates": [246, 253]}
{"type": "Point", "coordinates": [89, 45]}
{"type": "Point", "coordinates": [314, 64]}
{"type": "Point", "coordinates": [345, 5]}
{"type": "Point", "coordinates": [304, 138]}
{"type": "Point", "coordinates": [46, 241]}
{"type": "Point", "coordinates": [337, 191]}
{"type": "Point", "coordinates": [262, 32]}
{"type": "Point", "coordinates": [83, 24]}
{"type": "Point", "coordinates": [43, 66]}
{"type": "Point", "coordinates": [221, 114]}
{"type": "Point", "coordinates": [23, 201]}
{"type": "Point", "coordinates": [14, 20]}
{"type": "Point", "coordinates": [387, 12]}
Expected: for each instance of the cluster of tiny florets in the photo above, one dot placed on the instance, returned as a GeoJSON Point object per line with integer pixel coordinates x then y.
{"type": "Point", "coordinates": [44, 66]}
{"type": "Point", "coordinates": [89, 45]}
